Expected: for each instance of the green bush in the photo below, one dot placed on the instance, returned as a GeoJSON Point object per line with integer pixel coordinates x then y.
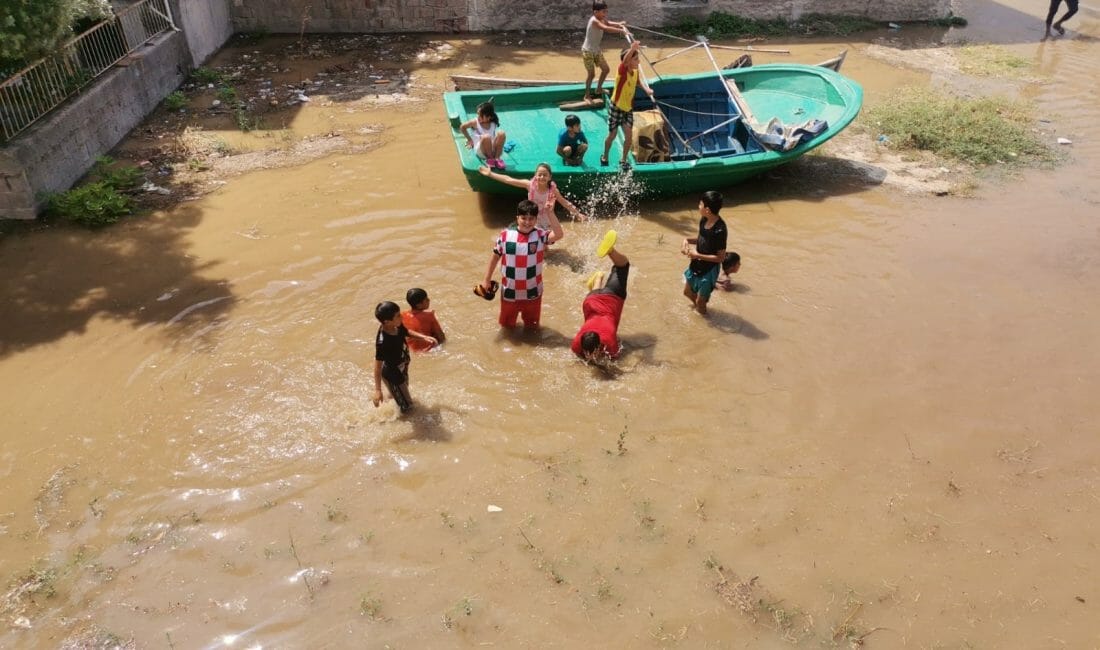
{"type": "Point", "coordinates": [101, 202]}
{"type": "Point", "coordinates": [92, 205]}
{"type": "Point", "coordinates": [175, 101]}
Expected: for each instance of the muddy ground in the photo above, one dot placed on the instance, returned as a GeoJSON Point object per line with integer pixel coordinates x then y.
{"type": "Point", "coordinates": [187, 153]}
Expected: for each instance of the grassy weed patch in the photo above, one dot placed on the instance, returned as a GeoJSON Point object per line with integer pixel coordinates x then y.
{"type": "Point", "coordinates": [991, 61]}
{"type": "Point", "coordinates": [982, 131]}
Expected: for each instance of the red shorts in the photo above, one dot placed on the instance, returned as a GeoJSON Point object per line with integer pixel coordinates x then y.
{"type": "Point", "coordinates": [530, 310]}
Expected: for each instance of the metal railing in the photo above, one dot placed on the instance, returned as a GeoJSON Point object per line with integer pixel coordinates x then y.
{"type": "Point", "coordinates": [37, 89]}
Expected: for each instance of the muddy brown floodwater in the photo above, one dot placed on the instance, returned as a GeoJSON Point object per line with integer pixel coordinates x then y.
{"type": "Point", "coordinates": [886, 436]}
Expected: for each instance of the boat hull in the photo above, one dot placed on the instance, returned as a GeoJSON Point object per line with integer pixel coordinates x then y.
{"type": "Point", "coordinates": [698, 107]}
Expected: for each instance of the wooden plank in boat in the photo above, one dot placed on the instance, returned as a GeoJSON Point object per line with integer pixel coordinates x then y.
{"type": "Point", "coordinates": [581, 105]}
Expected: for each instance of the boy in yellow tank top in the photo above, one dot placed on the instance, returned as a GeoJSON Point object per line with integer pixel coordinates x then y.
{"type": "Point", "coordinates": [621, 110]}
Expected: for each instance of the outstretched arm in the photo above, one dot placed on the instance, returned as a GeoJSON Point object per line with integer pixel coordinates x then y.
{"type": "Point", "coordinates": [503, 178]}
{"type": "Point", "coordinates": [577, 214]}
{"type": "Point", "coordinates": [612, 26]}
{"type": "Point", "coordinates": [423, 337]}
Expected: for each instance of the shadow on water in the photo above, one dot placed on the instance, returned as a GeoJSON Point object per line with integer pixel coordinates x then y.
{"type": "Point", "coordinates": [137, 270]}
{"type": "Point", "coordinates": [543, 337]}
{"type": "Point", "coordinates": [427, 424]}
{"type": "Point", "coordinates": [735, 324]}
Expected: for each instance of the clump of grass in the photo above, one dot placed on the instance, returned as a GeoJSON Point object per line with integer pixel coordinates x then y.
{"type": "Point", "coordinates": [991, 61]}
{"type": "Point", "coordinates": [175, 101]}
{"type": "Point", "coordinates": [981, 131]}
{"type": "Point", "coordinates": [370, 606]}
{"type": "Point", "coordinates": [206, 75]}
{"type": "Point", "coordinates": [227, 94]}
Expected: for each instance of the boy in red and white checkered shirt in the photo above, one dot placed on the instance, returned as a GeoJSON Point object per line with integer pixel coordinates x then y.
{"type": "Point", "coordinates": [520, 250]}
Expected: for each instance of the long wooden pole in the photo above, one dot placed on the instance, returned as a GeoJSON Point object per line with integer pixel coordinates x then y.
{"type": "Point", "coordinates": [731, 87]}
{"type": "Point", "coordinates": [748, 48]}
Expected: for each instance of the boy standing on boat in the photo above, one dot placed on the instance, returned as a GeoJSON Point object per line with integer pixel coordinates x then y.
{"type": "Point", "coordinates": [590, 50]}
{"type": "Point", "coordinates": [520, 250]}
{"type": "Point", "coordinates": [621, 110]}
{"type": "Point", "coordinates": [707, 251]}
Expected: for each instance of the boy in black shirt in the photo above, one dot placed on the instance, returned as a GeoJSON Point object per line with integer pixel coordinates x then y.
{"type": "Point", "coordinates": [391, 355]}
{"type": "Point", "coordinates": [707, 251]}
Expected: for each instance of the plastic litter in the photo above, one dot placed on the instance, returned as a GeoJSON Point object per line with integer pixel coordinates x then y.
{"type": "Point", "coordinates": [1065, 141]}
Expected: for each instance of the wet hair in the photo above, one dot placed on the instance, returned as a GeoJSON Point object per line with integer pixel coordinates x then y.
{"type": "Point", "coordinates": [732, 260]}
{"type": "Point", "coordinates": [486, 109]}
{"type": "Point", "coordinates": [590, 342]}
{"type": "Point", "coordinates": [599, 6]}
{"type": "Point", "coordinates": [712, 201]}
{"type": "Point", "coordinates": [527, 208]}
{"type": "Point", "coordinates": [572, 120]}
{"type": "Point", "coordinates": [547, 166]}
{"type": "Point", "coordinates": [386, 311]}
{"type": "Point", "coordinates": [417, 295]}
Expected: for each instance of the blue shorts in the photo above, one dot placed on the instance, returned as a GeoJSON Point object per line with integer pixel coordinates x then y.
{"type": "Point", "coordinates": [702, 285]}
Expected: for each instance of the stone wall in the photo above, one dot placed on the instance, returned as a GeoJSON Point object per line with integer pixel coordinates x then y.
{"type": "Point", "coordinates": [54, 153]}
{"type": "Point", "coordinates": [207, 24]}
{"type": "Point", "coordinates": [290, 16]}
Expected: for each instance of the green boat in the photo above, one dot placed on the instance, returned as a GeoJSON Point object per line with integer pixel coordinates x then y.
{"type": "Point", "coordinates": [722, 127]}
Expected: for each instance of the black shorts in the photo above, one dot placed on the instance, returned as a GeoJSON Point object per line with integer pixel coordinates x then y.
{"type": "Point", "coordinates": [616, 281]}
{"type": "Point", "coordinates": [617, 116]}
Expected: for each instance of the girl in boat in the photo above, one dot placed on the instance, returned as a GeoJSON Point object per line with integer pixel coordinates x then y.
{"type": "Point", "coordinates": [540, 189]}
{"type": "Point", "coordinates": [488, 138]}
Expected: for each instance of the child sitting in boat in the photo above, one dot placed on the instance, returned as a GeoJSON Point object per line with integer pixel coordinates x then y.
{"type": "Point", "coordinates": [572, 143]}
{"type": "Point", "coordinates": [541, 189]}
{"type": "Point", "coordinates": [488, 137]}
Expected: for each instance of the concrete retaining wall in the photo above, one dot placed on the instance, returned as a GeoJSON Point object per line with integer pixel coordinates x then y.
{"type": "Point", "coordinates": [57, 151]}
{"type": "Point", "coordinates": [288, 16]}
{"type": "Point", "coordinates": [207, 24]}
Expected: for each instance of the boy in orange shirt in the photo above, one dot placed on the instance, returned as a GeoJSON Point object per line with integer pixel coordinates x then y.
{"type": "Point", "coordinates": [421, 319]}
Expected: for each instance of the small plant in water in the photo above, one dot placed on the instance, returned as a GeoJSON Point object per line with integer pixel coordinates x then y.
{"type": "Point", "coordinates": [334, 514]}
{"type": "Point", "coordinates": [370, 606]}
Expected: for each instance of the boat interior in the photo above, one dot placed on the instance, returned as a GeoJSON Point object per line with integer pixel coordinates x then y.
{"type": "Point", "coordinates": [703, 120]}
